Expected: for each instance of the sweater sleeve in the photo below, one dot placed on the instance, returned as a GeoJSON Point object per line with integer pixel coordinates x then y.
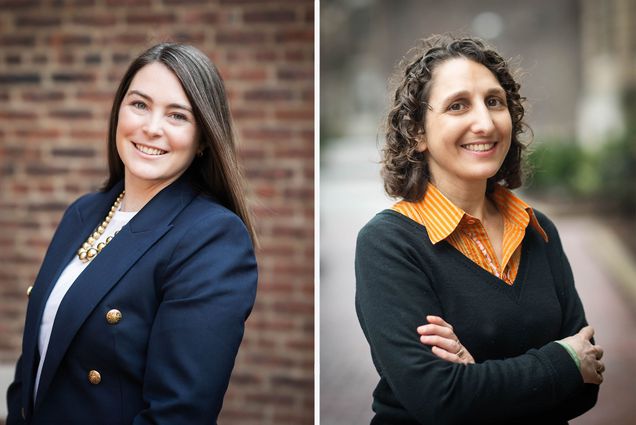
{"type": "Point", "coordinates": [392, 293]}
{"type": "Point", "coordinates": [573, 319]}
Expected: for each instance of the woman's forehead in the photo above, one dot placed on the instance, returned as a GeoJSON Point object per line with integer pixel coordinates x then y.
{"type": "Point", "coordinates": [461, 75]}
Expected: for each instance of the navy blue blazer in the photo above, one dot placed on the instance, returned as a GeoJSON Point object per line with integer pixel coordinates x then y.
{"type": "Point", "coordinates": [183, 275]}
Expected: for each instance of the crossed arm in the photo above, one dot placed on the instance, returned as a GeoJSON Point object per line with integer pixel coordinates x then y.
{"type": "Point", "coordinates": [445, 344]}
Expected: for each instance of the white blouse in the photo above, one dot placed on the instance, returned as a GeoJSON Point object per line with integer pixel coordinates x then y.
{"type": "Point", "coordinates": [74, 268]}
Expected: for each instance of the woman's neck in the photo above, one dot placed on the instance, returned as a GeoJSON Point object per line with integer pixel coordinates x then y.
{"type": "Point", "coordinates": [469, 196]}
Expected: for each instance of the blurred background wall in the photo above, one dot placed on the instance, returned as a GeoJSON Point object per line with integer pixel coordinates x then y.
{"type": "Point", "coordinates": [60, 63]}
{"type": "Point", "coordinates": [578, 62]}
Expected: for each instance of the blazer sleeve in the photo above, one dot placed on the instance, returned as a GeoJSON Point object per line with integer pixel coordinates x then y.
{"type": "Point", "coordinates": [573, 319]}
{"type": "Point", "coordinates": [392, 291]}
{"type": "Point", "coordinates": [207, 294]}
{"type": "Point", "coordinates": [14, 397]}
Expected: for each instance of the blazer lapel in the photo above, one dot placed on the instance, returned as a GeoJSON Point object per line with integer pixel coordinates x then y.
{"type": "Point", "coordinates": [72, 232]}
{"type": "Point", "coordinates": [133, 240]}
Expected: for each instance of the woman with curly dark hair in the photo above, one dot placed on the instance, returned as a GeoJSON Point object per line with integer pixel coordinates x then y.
{"type": "Point", "coordinates": [506, 340]}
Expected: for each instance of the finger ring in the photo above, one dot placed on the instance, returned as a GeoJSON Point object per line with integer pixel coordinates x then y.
{"type": "Point", "coordinates": [460, 353]}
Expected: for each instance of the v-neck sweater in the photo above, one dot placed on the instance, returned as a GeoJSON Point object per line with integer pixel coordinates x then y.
{"type": "Point", "coordinates": [520, 376]}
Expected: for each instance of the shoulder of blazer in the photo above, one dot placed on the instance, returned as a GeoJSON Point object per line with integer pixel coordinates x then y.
{"type": "Point", "coordinates": [205, 206]}
{"type": "Point", "coordinates": [207, 216]}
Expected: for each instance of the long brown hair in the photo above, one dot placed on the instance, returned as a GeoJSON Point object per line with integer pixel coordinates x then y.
{"type": "Point", "coordinates": [404, 169]}
{"type": "Point", "coordinates": [216, 172]}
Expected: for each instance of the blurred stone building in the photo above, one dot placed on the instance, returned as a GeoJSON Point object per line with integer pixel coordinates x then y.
{"type": "Point", "coordinates": [608, 68]}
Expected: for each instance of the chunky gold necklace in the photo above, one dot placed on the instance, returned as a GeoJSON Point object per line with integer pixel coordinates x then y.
{"type": "Point", "coordinates": [88, 251]}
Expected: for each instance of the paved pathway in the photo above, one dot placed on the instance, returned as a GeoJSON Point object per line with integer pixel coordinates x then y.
{"type": "Point", "coordinates": [351, 193]}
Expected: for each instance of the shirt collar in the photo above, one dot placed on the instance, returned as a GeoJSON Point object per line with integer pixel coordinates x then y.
{"type": "Point", "coordinates": [441, 217]}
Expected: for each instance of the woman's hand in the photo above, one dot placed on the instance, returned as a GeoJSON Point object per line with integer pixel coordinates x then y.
{"type": "Point", "coordinates": [444, 342]}
{"type": "Point", "coordinates": [591, 367]}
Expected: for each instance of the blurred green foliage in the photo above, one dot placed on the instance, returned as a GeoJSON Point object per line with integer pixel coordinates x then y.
{"type": "Point", "coordinates": [606, 174]}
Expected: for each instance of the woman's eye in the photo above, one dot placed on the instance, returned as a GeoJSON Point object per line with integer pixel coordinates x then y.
{"type": "Point", "coordinates": [495, 102]}
{"type": "Point", "coordinates": [179, 117]}
{"type": "Point", "coordinates": [457, 106]}
{"type": "Point", "coordinates": [139, 105]}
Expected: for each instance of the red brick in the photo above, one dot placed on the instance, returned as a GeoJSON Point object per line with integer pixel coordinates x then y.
{"type": "Point", "coordinates": [295, 114]}
{"type": "Point", "coordinates": [17, 115]}
{"type": "Point", "coordinates": [296, 74]}
{"type": "Point", "coordinates": [295, 36]}
{"type": "Point", "coordinates": [12, 59]}
{"type": "Point", "coordinates": [21, 78]}
{"type": "Point", "coordinates": [248, 2]}
{"type": "Point", "coordinates": [241, 37]}
{"type": "Point", "coordinates": [128, 3]}
{"type": "Point", "coordinates": [91, 20]}
{"type": "Point", "coordinates": [38, 133]}
{"type": "Point", "coordinates": [185, 2]}
{"type": "Point", "coordinates": [73, 152]}
{"type": "Point", "coordinates": [267, 133]}
{"type": "Point", "coordinates": [72, 77]}
{"type": "Point", "coordinates": [295, 307]}
{"type": "Point", "coordinates": [151, 18]}
{"type": "Point", "coordinates": [90, 135]}
{"type": "Point", "coordinates": [81, 3]}
{"type": "Point", "coordinates": [11, 40]}
{"type": "Point", "coordinates": [188, 38]}
{"type": "Point", "coordinates": [271, 398]}
{"type": "Point", "coordinates": [269, 16]}
{"type": "Point", "coordinates": [199, 17]}
{"type": "Point", "coordinates": [129, 38]}
{"type": "Point", "coordinates": [17, 4]}
{"type": "Point", "coordinates": [269, 94]}
{"type": "Point", "coordinates": [249, 74]}
{"type": "Point", "coordinates": [247, 113]}
{"type": "Point", "coordinates": [71, 114]}
{"type": "Point", "coordinates": [39, 96]}
{"type": "Point", "coordinates": [37, 21]}
{"type": "Point", "coordinates": [95, 95]}
{"type": "Point", "coordinates": [67, 40]}
{"type": "Point", "coordinates": [297, 55]}
{"type": "Point", "coordinates": [43, 170]}
{"type": "Point", "coordinates": [295, 153]}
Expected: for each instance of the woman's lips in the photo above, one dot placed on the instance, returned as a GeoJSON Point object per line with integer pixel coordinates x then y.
{"type": "Point", "coordinates": [148, 150]}
{"type": "Point", "coordinates": [480, 147]}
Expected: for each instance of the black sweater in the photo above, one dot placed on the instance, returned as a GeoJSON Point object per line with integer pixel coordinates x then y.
{"type": "Point", "coordinates": [520, 376]}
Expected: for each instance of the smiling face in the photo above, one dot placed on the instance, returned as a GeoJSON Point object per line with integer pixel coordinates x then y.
{"type": "Point", "coordinates": [156, 136]}
{"type": "Point", "coordinates": [468, 127]}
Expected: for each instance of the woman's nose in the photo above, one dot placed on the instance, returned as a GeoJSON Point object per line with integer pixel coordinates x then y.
{"type": "Point", "coordinates": [153, 126]}
{"type": "Point", "coordinates": [483, 121]}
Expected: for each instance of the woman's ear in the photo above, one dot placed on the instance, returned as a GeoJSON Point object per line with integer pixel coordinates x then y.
{"type": "Point", "coordinates": [421, 142]}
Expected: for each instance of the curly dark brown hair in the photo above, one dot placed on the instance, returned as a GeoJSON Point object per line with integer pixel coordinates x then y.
{"type": "Point", "coordinates": [404, 169]}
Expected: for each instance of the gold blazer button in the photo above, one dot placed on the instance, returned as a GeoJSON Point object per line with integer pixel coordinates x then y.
{"type": "Point", "coordinates": [29, 289]}
{"type": "Point", "coordinates": [94, 377]}
{"type": "Point", "coordinates": [113, 316]}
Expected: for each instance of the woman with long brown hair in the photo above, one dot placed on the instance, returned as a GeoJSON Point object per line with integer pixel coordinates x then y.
{"type": "Point", "coordinates": [138, 310]}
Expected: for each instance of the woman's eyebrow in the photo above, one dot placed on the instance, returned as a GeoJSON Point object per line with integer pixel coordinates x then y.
{"type": "Point", "coordinates": [464, 93]}
{"type": "Point", "coordinates": [497, 90]}
{"type": "Point", "coordinates": [145, 96]}
{"type": "Point", "coordinates": [460, 93]}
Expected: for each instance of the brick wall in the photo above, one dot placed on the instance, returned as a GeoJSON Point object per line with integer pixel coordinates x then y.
{"type": "Point", "coordinates": [60, 62]}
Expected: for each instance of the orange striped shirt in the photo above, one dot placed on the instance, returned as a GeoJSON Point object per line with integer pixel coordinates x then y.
{"type": "Point", "coordinates": [445, 221]}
